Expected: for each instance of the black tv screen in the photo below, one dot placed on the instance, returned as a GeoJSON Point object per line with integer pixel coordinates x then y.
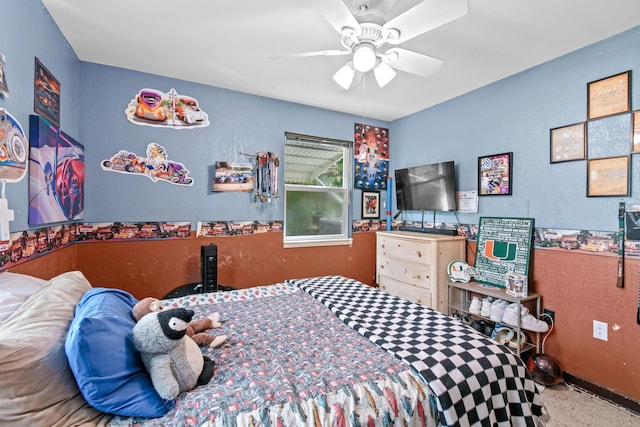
{"type": "Point", "coordinates": [426, 188]}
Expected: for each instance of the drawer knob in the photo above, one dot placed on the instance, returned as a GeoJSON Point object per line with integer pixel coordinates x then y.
{"type": "Point", "coordinates": [419, 254]}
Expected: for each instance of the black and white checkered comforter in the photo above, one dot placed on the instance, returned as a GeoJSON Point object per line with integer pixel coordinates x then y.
{"type": "Point", "coordinates": [477, 382]}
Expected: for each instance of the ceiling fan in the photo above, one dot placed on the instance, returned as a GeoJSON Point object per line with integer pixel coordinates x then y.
{"type": "Point", "coordinates": [372, 42]}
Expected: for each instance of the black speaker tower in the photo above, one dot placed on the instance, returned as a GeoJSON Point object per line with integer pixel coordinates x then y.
{"type": "Point", "coordinates": [209, 260]}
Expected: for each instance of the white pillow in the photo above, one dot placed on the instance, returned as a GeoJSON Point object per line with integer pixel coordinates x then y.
{"type": "Point", "coordinates": [15, 289]}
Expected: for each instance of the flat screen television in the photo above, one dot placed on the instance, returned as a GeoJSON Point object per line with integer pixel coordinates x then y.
{"type": "Point", "coordinates": [426, 188]}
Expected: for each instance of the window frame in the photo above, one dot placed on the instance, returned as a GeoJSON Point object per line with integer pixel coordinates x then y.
{"type": "Point", "coordinates": [343, 238]}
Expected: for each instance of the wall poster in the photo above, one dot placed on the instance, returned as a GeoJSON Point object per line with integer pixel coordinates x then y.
{"type": "Point", "coordinates": [46, 94]}
{"type": "Point", "coordinates": [371, 161]}
{"type": "Point", "coordinates": [504, 246]}
{"type": "Point", "coordinates": [56, 174]}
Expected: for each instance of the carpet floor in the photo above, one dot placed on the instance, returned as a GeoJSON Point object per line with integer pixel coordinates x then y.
{"type": "Point", "coordinates": [573, 407]}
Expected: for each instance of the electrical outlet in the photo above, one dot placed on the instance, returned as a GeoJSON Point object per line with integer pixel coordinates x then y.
{"type": "Point", "coordinates": [550, 316]}
{"type": "Point", "coordinates": [600, 330]}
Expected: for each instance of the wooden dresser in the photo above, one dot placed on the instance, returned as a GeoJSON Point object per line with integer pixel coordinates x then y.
{"type": "Point", "coordinates": [413, 265]}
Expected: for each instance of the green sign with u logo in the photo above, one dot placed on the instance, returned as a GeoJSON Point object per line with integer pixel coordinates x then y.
{"type": "Point", "coordinates": [504, 246]}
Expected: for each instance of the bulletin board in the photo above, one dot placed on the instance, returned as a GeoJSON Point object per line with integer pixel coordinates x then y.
{"type": "Point", "coordinates": [504, 246]}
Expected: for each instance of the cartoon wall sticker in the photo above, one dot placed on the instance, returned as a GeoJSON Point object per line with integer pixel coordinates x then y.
{"type": "Point", "coordinates": [151, 107]}
{"type": "Point", "coordinates": [156, 165]}
{"type": "Point", "coordinates": [4, 87]}
{"type": "Point", "coordinates": [371, 157]}
{"type": "Point", "coordinates": [56, 174]}
{"type": "Point", "coordinates": [14, 149]}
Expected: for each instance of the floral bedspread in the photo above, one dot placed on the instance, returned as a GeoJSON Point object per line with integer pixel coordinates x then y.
{"type": "Point", "coordinates": [289, 362]}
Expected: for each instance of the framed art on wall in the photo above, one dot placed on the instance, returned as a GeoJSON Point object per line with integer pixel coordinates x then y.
{"type": "Point", "coordinates": [370, 205]}
{"type": "Point", "coordinates": [635, 132]}
{"type": "Point", "coordinates": [46, 94]}
{"type": "Point", "coordinates": [609, 96]}
{"type": "Point", "coordinates": [608, 176]}
{"type": "Point", "coordinates": [494, 175]}
{"type": "Point", "coordinates": [568, 143]}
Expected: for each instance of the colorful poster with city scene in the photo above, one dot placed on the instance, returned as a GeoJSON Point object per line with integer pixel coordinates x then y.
{"type": "Point", "coordinates": [371, 157]}
{"type": "Point", "coordinates": [156, 165]}
{"type": "Point", "coordinates": [56, 174]}
{"type": "Point", "coordinates": [14, 149]}
{"type": "Point", "coordinates": [151, 107]}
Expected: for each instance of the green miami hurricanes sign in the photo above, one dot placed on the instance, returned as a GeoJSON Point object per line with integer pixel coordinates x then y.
{"type": "Point", "coordinates": [504, 246]}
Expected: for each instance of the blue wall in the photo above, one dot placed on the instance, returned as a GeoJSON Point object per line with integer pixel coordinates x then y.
{"type": "Point", "coordinates": [240, 123]}
{"type": "Point", "coordinates": [27, 31]}
{"type": "Point", "coordinates": [514, 114]}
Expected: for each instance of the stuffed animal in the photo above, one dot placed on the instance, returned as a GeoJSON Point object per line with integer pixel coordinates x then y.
{"type": "Point", "coordinates": [174, 361]}
{"type": "Point", "coordinates": [194, 329]}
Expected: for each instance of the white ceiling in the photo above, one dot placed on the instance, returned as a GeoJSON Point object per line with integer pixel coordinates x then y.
{"type": "Point", "coordinates": [230, 44]}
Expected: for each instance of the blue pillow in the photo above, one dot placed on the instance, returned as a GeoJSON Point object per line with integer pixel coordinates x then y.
{"type": "Point", "coordinates": [107, 367]}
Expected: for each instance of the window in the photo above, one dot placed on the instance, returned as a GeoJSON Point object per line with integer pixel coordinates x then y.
{"type": "Point", "coordinates": [317, 173]}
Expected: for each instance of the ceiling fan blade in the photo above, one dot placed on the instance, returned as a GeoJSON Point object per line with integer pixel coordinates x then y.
{"type": "Point", "coordinates": [425, 16]}
{"type": "Point", "coordinates": [414, 62]}
{"type": "Point", "coordinates": [337, 14]}
{"type": "Point", "coordinates": [331, 52]}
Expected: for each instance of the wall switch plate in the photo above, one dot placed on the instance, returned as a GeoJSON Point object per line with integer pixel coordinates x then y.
{"type": "Point", "coordinates": [600, 330]}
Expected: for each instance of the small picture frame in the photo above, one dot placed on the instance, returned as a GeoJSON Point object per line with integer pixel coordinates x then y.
{"type": "Point", "coordinates": [370, 205]}
{"type": "Point", "coordinates": [46, 94]}
{"type": "Point", "coordinates": [608, 176]}
{"type": "Point", "coordinates": [635, 132]}
{"type": "Point", "coordinates": [567, 143]}
{"type": "Point", "coordinates": [495, 175]}
{"type": "Point", "coordinates": [609, 96]}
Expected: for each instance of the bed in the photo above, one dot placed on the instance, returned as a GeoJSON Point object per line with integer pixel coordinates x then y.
{"type": "Point", "coordinates": [323, 351]}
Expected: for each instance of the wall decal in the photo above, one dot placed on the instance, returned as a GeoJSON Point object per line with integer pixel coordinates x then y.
{"type": "Point", "coordinates": [14, 149]}
{"type": "Point", "coordinates": [56, 174]}
{"type": "Point", "coordinates": [151, 107]}
{"type": "Point", "coordinates": [156, 165]}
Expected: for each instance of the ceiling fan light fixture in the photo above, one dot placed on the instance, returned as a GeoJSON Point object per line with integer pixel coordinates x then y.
{"type": "Point", "coordinates": [364, 57]}
{"type": "Point", "coordinates": [384, 74]}
{"type": "Point", "coordinates": [344, 76]}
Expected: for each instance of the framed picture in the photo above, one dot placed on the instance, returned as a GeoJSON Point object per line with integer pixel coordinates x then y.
{"type": "Point", "coordinates": [46, 94]}
{"type": "Point", "coordinates": [568, 143]}
{"type": "Point", "coordinates": [494, 175]}
{"type": "Point", "coordinates": [635, 132]}
{"type": "Point", "coordinates": [608, 176]}
{"type": "Point", "coordinates": [370, 205]}
{"type": "Point", "coordinates": [609, 96]}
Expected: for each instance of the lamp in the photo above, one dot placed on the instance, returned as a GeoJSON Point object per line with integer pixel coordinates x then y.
{"type": "Point", "coordinates": [364, 57]}
{"type": "Point", "coordinates": [384, 74]}
{"type": "Point", "coordinates": [344, 76]}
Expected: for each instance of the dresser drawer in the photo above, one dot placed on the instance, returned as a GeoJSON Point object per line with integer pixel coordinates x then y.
{"type": "Point", "coordinates": [406, 250]}
{"type": "Point", "coordinates": [409, 272]}
{"type": "Point", "coordinates": [405, 290]}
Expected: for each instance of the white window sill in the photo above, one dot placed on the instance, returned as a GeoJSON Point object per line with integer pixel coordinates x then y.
{"type": "Point", "coordinates": [317, 242]}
